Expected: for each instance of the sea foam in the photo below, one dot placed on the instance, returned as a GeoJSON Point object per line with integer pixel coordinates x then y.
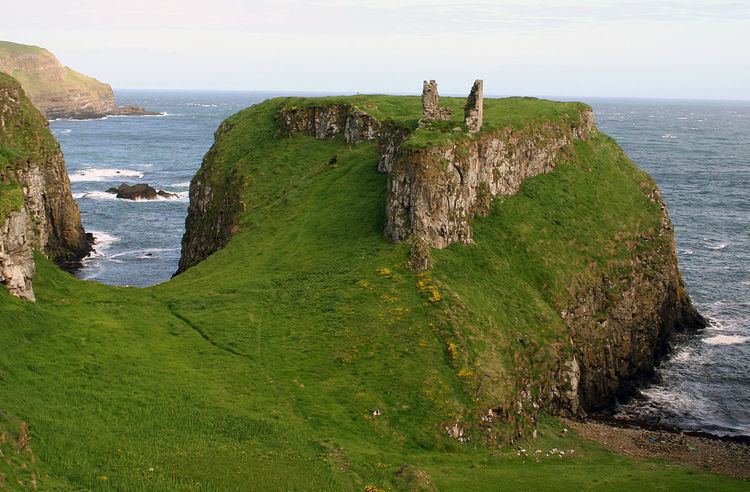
{"type": "Point", "coordinates": [726, 340]}
{"type": "Point", "coordinates": [105, 174]}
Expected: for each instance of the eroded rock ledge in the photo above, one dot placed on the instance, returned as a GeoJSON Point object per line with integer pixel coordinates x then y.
{"type": "Point", "coordinates": [434, 192]}
{"type": "Point", "coordinates": [328, 121]}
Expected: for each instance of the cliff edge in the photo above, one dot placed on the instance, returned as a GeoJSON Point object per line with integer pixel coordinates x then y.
{"type": "Point", "coordinates": [37, 209]}
{"type": "Point", "coordinates": [56, 90]}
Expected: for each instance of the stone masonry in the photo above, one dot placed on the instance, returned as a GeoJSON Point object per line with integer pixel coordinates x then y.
{"type": "Point", "coordinates": [474, 109]}
{"type": "Point", "coordinates": [431, 109]}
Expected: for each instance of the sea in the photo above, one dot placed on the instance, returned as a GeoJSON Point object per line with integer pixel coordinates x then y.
{"type": "Point", "coordinates": [697, 151]}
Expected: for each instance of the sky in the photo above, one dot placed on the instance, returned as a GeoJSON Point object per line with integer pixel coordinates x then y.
{"type": "Point", "coordinates": [698, 49]}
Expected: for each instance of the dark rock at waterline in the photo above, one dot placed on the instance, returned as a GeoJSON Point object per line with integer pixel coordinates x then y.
{"type": "Point", "coordinates": [140, 191]}
{"type": "Point", "coordinates": [166, 194]}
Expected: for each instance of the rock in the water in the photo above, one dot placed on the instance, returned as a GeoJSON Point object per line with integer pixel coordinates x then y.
{"type": "Point", "coordinates": [140, 191]}
{"type": "Point", "coordinates": [166, 194]}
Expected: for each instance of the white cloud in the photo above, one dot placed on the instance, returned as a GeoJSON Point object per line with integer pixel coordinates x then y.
{"type": "Point", "coordinates": [660, 48]}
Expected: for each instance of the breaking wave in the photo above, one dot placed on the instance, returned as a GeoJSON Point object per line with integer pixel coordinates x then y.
{"type": "Point", "coordinates": [93, 174]}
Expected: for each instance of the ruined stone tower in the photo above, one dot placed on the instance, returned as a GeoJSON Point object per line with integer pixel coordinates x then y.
{"type": "Point", "coordinates": [431, 109]}
{"type": "Point", "coordinates": [474, 109]}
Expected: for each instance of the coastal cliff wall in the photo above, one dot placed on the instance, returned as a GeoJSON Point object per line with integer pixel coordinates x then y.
{"type": "Point", "coordinates": [214, 209]}
{"type": "Point", "coordinates": [434, 192]}
{"type": "Point", "coordinates": [621, 325]}
{"type": "Point", "coordinates": [39, 210]}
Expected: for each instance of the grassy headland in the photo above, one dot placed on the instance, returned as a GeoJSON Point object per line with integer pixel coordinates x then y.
{"type": "Point", "coordinates": [305, 355]}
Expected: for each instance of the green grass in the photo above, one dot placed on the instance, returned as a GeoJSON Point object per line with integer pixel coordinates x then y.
{"type": "Point", "coordinates": [11, 199]}
{"type": "Point", "coordinates": [406, 111]}
{"type": "Point", "coordinates": [259, 368]}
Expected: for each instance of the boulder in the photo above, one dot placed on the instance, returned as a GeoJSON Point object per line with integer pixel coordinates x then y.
{"type": "Point", "coordinates": [166, 194]}
{"type": "Point", "coordinates": [140, 191]}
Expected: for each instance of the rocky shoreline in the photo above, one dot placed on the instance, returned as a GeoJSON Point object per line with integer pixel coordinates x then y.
{"type": "Point", "coordinates": [129, 110]}
{"type": "Point", "coordinates": [696, 450]}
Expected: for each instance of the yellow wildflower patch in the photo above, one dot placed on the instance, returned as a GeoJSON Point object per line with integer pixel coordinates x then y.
{"type": "Point", "coordinates": [427, 287]}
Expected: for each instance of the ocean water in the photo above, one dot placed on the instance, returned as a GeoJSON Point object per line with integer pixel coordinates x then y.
{"type": "Point", "coordinates": [698, 152]}
{"type": "Point", "coordinates": [138, 243]}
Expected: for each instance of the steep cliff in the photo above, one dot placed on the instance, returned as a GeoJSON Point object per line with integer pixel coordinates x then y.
{"type": "Point", "coordinates": [214, 208]}
{"type": "Point", "coordinates": [56, 90]}
{"type": "Point", "coordinates": [39, 211]}
{"type": "Point", "coordinates": [435, 191]}
{"type": "Point", "coordinates": [621, 319]}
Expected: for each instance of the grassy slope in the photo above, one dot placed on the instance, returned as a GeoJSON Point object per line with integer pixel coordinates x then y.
{"type": "Point", "coordinates": [259, 367]}
{"type": "Point", "coordinates": [50, 87]}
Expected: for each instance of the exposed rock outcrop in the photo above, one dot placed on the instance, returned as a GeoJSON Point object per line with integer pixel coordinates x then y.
{"type": "Point", "coordinates": [434, 192]}
{"type": "Point", "coordinates": [644, 307]}
{"type": "Point", "coordinates": [139, 191]}
{"type": "Point", "coordinates": [49, 219]}
{"type": "Point", "coordinates": [56, 90]}
{"type": "Point", "coordinates": [327, 121]}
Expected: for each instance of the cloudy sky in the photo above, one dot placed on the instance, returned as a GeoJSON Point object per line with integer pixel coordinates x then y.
{"type": "Point", "coordinates": [658, 48]}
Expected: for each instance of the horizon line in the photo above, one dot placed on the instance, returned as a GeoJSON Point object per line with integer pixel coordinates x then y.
{"type": "Point", "coordinates": [447, 94]}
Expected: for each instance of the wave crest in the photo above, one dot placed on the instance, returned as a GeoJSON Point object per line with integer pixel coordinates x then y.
{"type": "Point", "coordinates": [93, 174]}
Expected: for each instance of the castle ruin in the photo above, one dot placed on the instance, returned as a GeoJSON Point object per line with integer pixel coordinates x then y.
{"type": "Point", "coordinates": [473, 111]}
{"type": "Point", "coordinates": [431, 110]}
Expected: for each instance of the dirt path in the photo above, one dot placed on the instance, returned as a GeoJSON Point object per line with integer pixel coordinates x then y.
{"type": "Point", "coordinates": [700, 453]}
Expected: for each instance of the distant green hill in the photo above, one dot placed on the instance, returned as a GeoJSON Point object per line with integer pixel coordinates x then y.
{"type": "Point", "coordinates": [56, 90]}
{"type": "Point", "coordinates": [305, 354]}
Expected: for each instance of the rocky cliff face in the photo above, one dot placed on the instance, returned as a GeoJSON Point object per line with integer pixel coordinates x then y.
{"type": "Point", "coordinates": [47, 218]}
{"type": "Point", "coordinates": [214, 208]}
{"type": "Point", "coordinates": [56, 90]}
{"type": "Point", "coordinates": [644, 305]}
{"type": "Point", "coordinates": [434, 192]}
{"type": "Point", "coordinates": [327, 121]}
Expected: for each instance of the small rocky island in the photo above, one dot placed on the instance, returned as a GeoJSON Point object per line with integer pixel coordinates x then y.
{"type": "Point", "coordinates": [58, 91]}
{"type": "Point", "coordinates": [140, 191]}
